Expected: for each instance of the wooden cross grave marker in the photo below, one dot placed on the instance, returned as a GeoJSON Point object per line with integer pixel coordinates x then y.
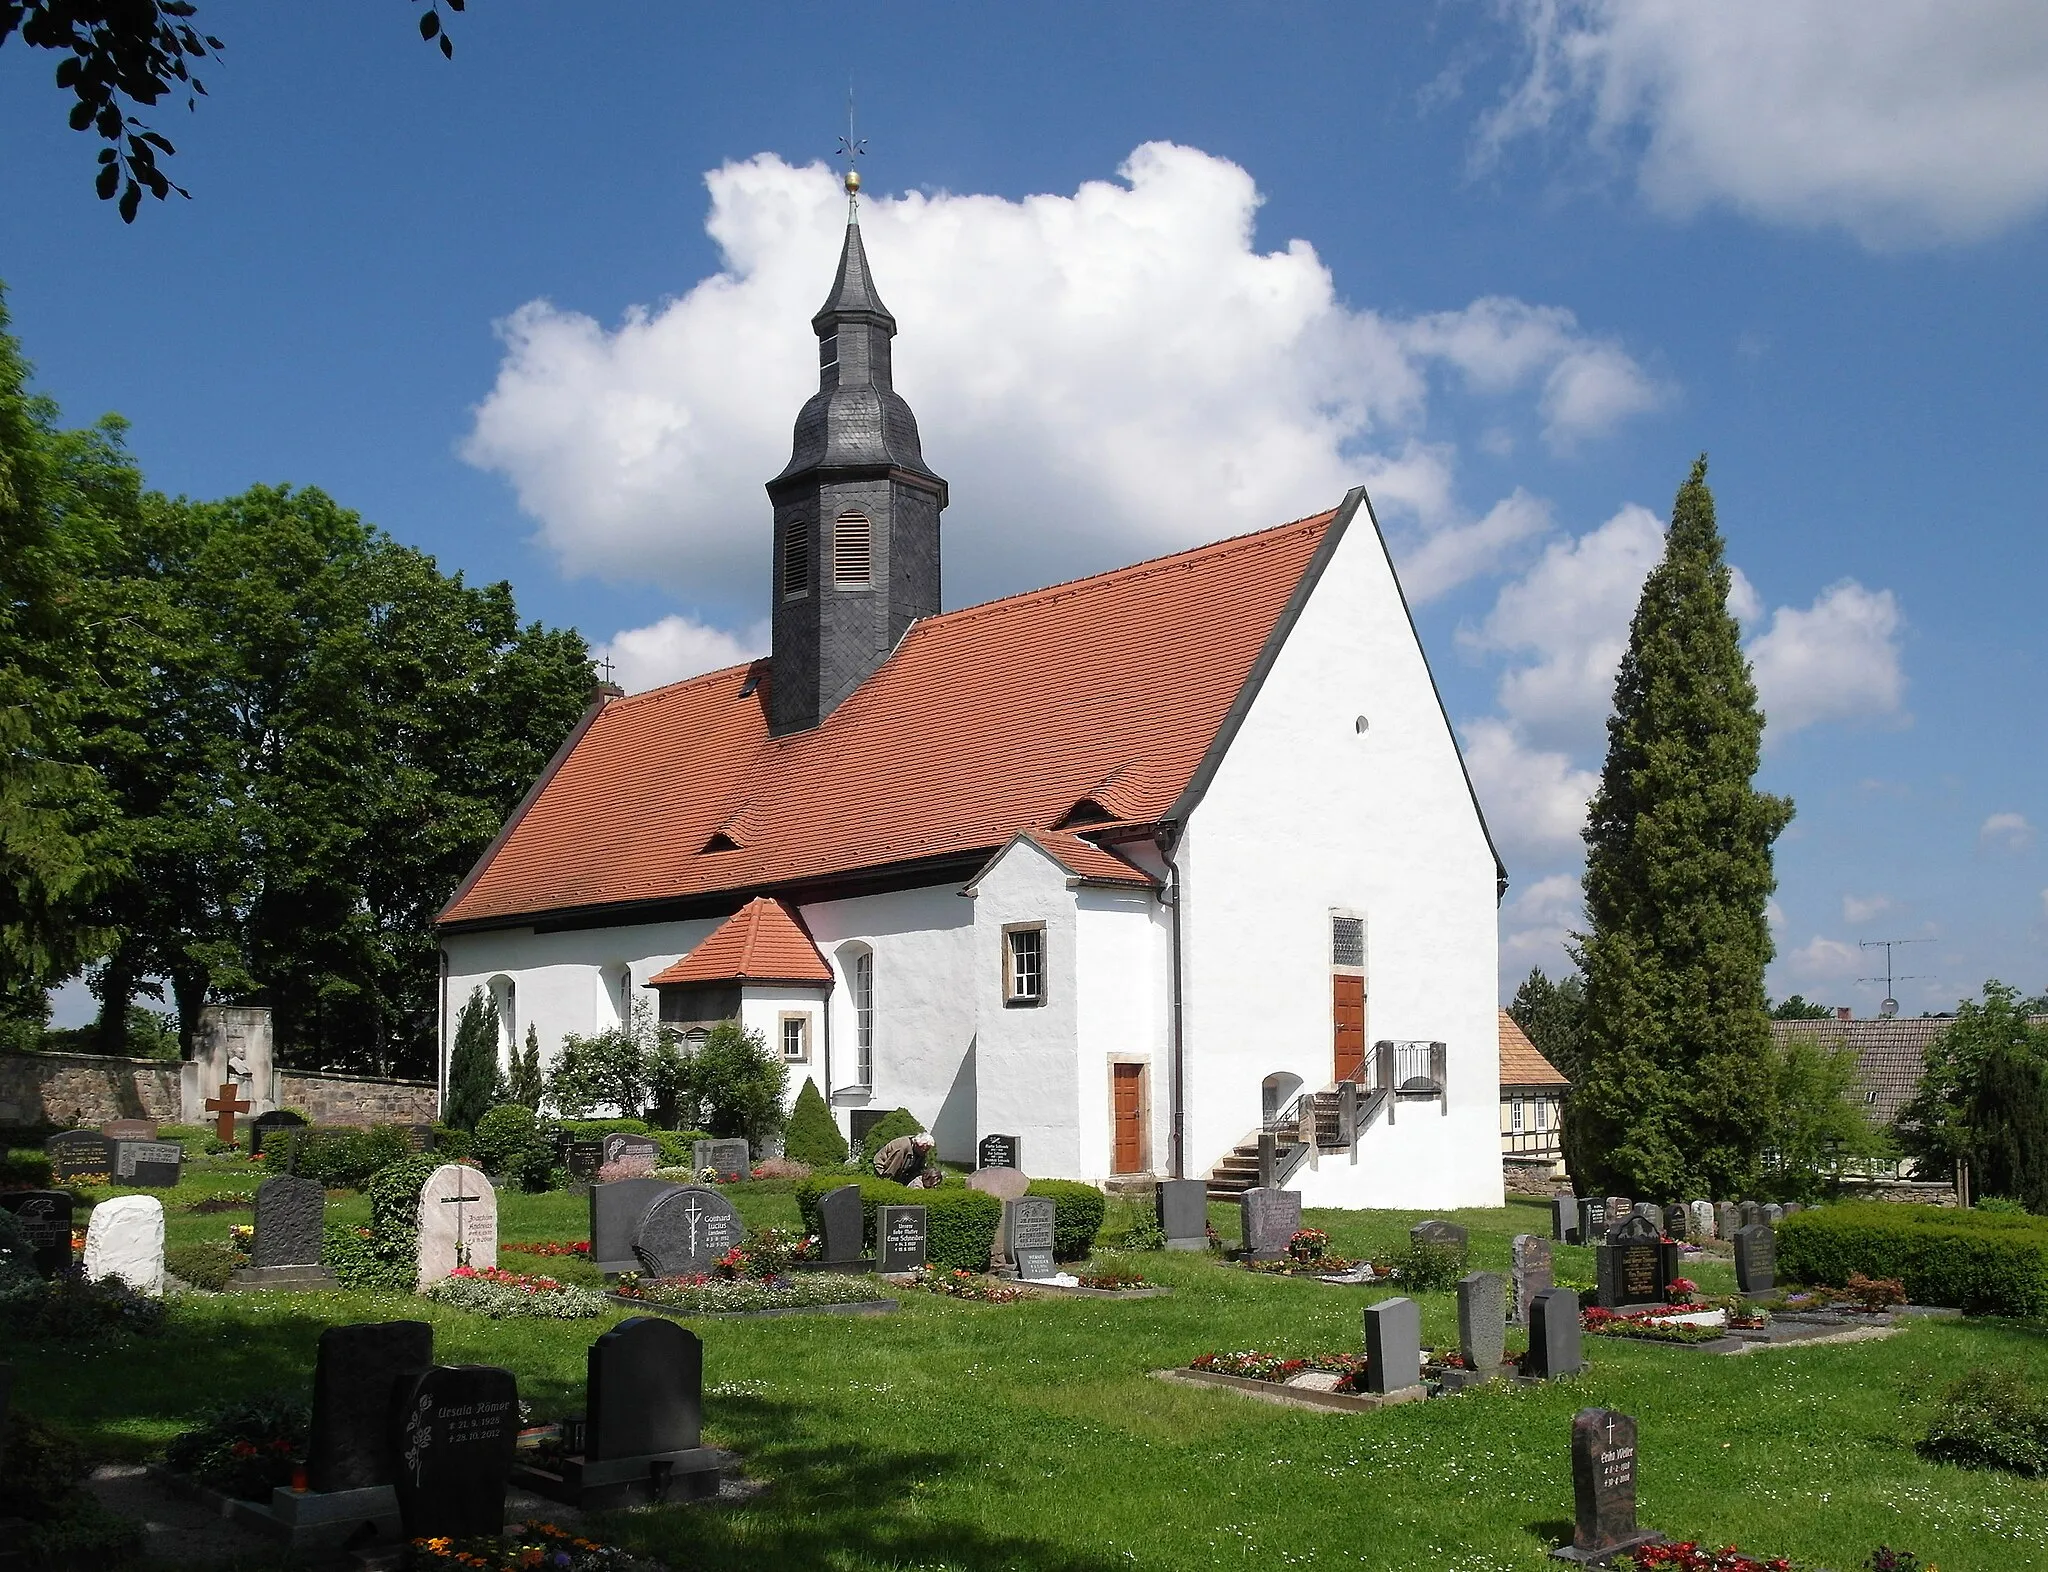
{"type": "Point", "coordinates": [227, 1105]}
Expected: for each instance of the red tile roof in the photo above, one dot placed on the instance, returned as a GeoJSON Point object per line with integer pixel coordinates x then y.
{"type": "Point", "coordinates": [1522, 1065]}
{"type": "Point", "coordinates": [763, 942]}
{"type": "Point", "coordinates": [1082, 859]}
{"type": "Point", "coordinates": [982, 723]}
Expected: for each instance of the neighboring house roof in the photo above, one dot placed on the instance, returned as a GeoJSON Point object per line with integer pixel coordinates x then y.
{"type": "Point", "coordinates": [1083, 861]}
{"type": "Point", "coordinates": [1522, 1068]}
{"type": "Point", "coordinates": [763, 942]}
{"type": "Point", "coordinates": [1121, 689]}
{"type": "Point", "coordinates": [1891, 1055]}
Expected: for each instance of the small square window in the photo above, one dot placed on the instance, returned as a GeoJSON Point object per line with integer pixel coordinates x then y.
{"type": "Point", "coordinates": [1024, 965]}
{"type": "Point", "coordinates": [796, 1039]}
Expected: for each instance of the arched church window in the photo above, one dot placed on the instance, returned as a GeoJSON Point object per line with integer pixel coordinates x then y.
{"type": "Point", "coordinates": [796, 558]}
{"type": "Point", "coordinates": [853, 539]}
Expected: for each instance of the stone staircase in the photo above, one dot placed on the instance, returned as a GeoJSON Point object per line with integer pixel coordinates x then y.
{"type": "Point", "coordinates": [1238, 1170]}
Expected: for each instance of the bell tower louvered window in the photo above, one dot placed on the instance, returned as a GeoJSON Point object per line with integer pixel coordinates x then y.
{"type": "Point", "coordinates": [853, 551]}
{"type": "Point", "coordinates": [796, 559]}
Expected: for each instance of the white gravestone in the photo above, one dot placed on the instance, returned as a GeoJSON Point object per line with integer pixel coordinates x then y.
{"type": "Point", "coordinates": [458, 1220]}
{"type": "Point", "coordinates": [125, 1239]}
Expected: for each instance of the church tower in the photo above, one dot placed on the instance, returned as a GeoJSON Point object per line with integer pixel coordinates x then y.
{"type": "Point", "coordinates": [856, 510]}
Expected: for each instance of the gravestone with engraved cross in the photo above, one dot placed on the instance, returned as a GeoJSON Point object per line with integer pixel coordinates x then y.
{"type": "Point", "coordinates": [1603, 1487]}
{"type": "Point", "coordinates": [458, 1222]}
{"type": "Point", "coordinates": [686, 1231]}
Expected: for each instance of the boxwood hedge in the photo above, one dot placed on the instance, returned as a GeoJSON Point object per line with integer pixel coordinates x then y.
{"type": "Point", "coordinates": [960, 1223]}
{"type": "Point", "coordinates": [1077, 1214]}
{"type": "Point", "coordinates": [1984, 1263]}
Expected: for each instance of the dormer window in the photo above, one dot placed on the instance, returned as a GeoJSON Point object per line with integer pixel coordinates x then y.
{"type": "Point", "coordinates": [853, 541]}
{"type": "Point", "coordinates": [796, 559]}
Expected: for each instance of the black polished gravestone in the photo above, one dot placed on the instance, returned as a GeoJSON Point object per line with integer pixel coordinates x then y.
{"type": "Point", "coordinates": [1634, 1266]}
{"type": "Point", "coordinates": [582, 1159]}
{"type": "Point", "coordinates": [149, 1165]}
{"type": "Point", "coordinates": [1556, 1335]}
{"type": "Point", "coordinates": [616, 1211]}
{"type": "Point", "coordinates": [1564, 1219]}
{"type": "Point", "coordinates": [999, 1151]}
{"type": "Point", "coordinates": [1603, 1488]}
{"type": "Point", "coordinates": [278, 1122]}
{"type": "Point", "coordinates": [1677, 1222]}
{"type": "Point", "coordinates": [354, 1374]}
{"type": "Point", "coordinates": [79, 1152]}
{"type": "Point", "coordinates": [1028, 1232]}
{"type": "Point", "coordinates": [901, 1240]}
{"type": "Point", "coordinates": [1756, 1259]}
{"type": "Point", "coordinates": [45, 1218]}
{"type": "Point", "coordinates": [1183, 1208]}
{"type": "Point", "coordinates": [841, 1225]}
{"type": "Point", "coordinates": [623, 1143]}
{"type": "Point", "coordinates": [1592, 1221]}
{"type": "Point", "coordinates": [291, 1215]}
{"type": "Point", "coordinates": [686, 1231]}
{"type": "Point", "coordinates": [419, 1138]}
{"type": "Point", "coordinates": [455, 1429]}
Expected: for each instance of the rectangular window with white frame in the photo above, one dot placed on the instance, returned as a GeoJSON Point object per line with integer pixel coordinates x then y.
{"type": "Point", "coordinates": [796, 1037]}
{"type": "Point", "coordinates": [1024, 964]}
{"type": "Point", "coordinates": [1518, 1116]}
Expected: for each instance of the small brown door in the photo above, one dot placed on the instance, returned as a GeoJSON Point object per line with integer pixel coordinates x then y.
{"type": "Point", "coordinates": [1129, 1157]}
{"type": "Point", "coordinates": [1349, 1014]}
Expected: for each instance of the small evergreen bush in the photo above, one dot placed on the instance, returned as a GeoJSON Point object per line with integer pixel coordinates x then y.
{"type": "Point", "coordinates": [960, 1224]}
{"type": "Point", "coordinates": [351, 1255]}
{"type": "Point", "coordinates": [813, 1136]}
{"type": "Point", "coordinates": [1077, 1215]}
{"type": "Point", "coordinates": [526, 1085]}
{"type": "Point", "coordinates": [1991, 1419]}
{"type": "Point", "coordinates": [1426, 1266]}
{"type": "Point", "coordinates": [503, 1135]}
{"type": "Point", "coordinates": [899, 1123]}
{"type": "Point", "coordinates": [203, 1265]}
{"type": "Point", "coordinates": [343, 1157]}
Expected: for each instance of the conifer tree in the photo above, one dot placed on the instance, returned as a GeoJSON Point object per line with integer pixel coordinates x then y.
{"type": "Point", "coordinates": [812, 1136]}
{"type": "Point", "coordinates": [473, 1079]}
{"type": "Point", "coordinates": [1676, 1083]}
{"type": "Point", "coordinates": [525, 1084]}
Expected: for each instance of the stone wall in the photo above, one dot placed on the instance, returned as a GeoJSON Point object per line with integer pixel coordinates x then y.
{"type": "Point", "coordinates": [1534, 1176]}
{"type": "Point", "coordinates": [65, 1089]}
{"type": "Point", "coordinates": [1909, 1191]}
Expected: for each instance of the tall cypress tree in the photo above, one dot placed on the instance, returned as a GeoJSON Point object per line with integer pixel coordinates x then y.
{"type": "Point", "coordinates": [1675, 1092]}
{"type": "Point", "coordinates": [475, 1085]}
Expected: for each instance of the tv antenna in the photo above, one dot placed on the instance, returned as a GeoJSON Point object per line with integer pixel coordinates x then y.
{"type": "Point", "coordinates": [1890, 1007]}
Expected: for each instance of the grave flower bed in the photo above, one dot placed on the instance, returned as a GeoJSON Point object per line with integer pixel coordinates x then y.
{"type": "Point", "coordinates": [528, 1547]}
{"type": "Point", "coordinates": [1646, 1325]}
{"type": "Point", "coordinates": [1113, 1281]}
{"type": "Point", "coordinates": [706, 1295]}
{"type": "Point", "coordinates": [244, 1449]}
{"type": "Point", "coordinates": [500, 1294]}
{"type": "Point", "coordinates": [1319, 1266]}
{"type": "Point", "coordinates": [1691, 1556]}
{"type": "Point", "coordinates": [1308, 1244]}
{"type": "Point", "coordinates": [957, 1284]}
{"type": "Point", "coordinates": [1252, 1364]}
{"type": "Point", "coordinates": [580, 1248]}
{"type": "Point", "coordinates": [767, 1253]}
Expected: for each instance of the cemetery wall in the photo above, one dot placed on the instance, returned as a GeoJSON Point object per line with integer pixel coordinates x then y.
{"type": "Point", "coordinates": [357, 1099]}
{"type": "Point", "coordinates": [1534, 1176]}
{"type": "Point", "coordinates": [66, 1089]}
{"type": "Point", "coordinates": [1308, 813]}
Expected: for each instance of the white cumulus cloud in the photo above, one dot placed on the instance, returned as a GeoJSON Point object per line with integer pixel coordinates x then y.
{"type": "Point", "coordinates": [674, 648]}
{"type": "Point", "coordinates": [1904, 122]}
{"type": "Point", "coordinates": [1534, 799]}
{"type": "Point", "coordinates": [1537, 923]}
{"type": "Point", "coordinates": [1101, 376]}
{"type": "Point", "coordinates": [2009, 831]}
{"type": "Point", "coordinates": [1837, 659]}
{"type": "Point", "coordinates": [1862, 908]}
{"type": "Point", "coordinates": [1822, 959]}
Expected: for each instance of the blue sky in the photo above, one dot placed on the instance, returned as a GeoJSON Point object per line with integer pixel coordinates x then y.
{"type": "Point", "coordinates": [1166, 273]}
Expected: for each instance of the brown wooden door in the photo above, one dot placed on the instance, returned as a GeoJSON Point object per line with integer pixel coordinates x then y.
{"type": "Point", "coordinates": [1129, 1085]}
{"type": "Point", "coordinates": [1348, 1011]}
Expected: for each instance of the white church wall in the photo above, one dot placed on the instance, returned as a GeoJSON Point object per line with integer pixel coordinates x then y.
{"type": "Point", "coordinates": [764, 1009]}
{"type": "Point", "coordinates": [1305, 814]}
{"type": "Point", "coordinates": [1120, 963]}
{"type": "Point", "coordinates": [1026, 1064]}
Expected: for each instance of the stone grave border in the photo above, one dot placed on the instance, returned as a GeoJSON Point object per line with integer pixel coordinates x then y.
{"type": "Point", "coordinates": [1798, 1330]}
{"type": "Point", "coordinates": [678, 1313]}
{"type": "Point", "coordinates": [1038, 1290]}
{"type": "Point", "coordinates": [316, 1536]}
{"type": "Point", "coordinates": [1294, 1396]}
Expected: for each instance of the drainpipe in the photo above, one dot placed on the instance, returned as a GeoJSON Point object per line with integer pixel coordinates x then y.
{"type": "Point", "coordinates": [1168, 840]}
{"type": "Point", "coordinates": [441, 1039]}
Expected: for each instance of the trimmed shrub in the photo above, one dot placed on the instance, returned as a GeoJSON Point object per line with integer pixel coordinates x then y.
{"type": "Point", "coordinates": [892, 1125]}
{"type": "Point", "coordinates": [812, 1136]}
{"type": "Point", "coordinates": [351, 1255]}
{"type": "Point", "coordinates": [1984, 1263]}
{"type": "Point", "coordinates": [344, 1157]}
{"type": "Point", "coordinates": [204, 1265]}
{"type": "Point", "coordinates": [24, 1171]}
{"type": "Point", "coordinates": [596, 1129]}
{"type": "Point", "coordinates": [1426, 1266]}
{"type": "Point", "coordinates": [960, 1223]}
{"type": "Point", "coordinates": [1991, 1419]}
{"type": "Point", "coordinates": [502, 1135]}
{"type": "Point", "coordinates": [1076, 1218]}
{"type": "Point", "coordinates": [451, 1144]}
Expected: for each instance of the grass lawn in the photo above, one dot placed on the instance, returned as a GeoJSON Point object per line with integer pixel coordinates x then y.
{"type": "Point", "coordinates": [974, 1437]}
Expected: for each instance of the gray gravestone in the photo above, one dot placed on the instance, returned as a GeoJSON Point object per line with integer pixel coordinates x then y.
{"type": "Point", "coordinates": [1727, 1218]}
{"type": "Point", "coordinates": [900, 1238]}
{"type": "Point", "coordinates": [623, 1143]}
{"type": "Point", "coordinates": [1701, 1222]}
{"type": "Point", "coordinates": [1756, 1259]}
{"type": "Point", "coordinates": [45, 1219]}
{"type": "Point", "coordinates": [646, 1390]}
{"type": "Point", "coordinates": [1269, 1218]}
{"type": "Point", "coordinates": [1592, 1221]}
{"type": "Point", "coordinates": [1028, 1235]}
{"type": "Point", "coordinates": [1183, 1208]}
{"type": "Point", "coordinates": [1773, 1215]}
{"type": "Point", "coordinates": [1435, 1231]}
{"type": "Point", "coordinates": [841, 1226]}
{"type": "Point", "coordinates": [153, 1165]}
{"type": "Point", "coordinates": [1750, 1213]}
{"type": "Point", "coordinates": [1564, 1219]}
{"type": "Point", "coordinates": [685, 1231]}
{"type": "Point", "coordinates": [1650, 1212]}
{"type": "Point", "coordinates": [290, 1216]}
{"type": "Point", "coordinates": [1630, 1266]}
{"type": "Point", "coordinates": [1618, 1208]}
{"type": "Point", "coordinates": [616, 1211]}
{"type": "Point", "coordinates": [1482, 1322]}
{"type": "Point", "coordinates": [728, 1157]}
{"type": "Point", "coordinates": [279, 1122]}
{"type": "Point", "coordinates": [1792, 1208]}
{"type": "Point", "coordinates": [1530, 1262]}
{"type": "Point", "coordinates": [1393, 1345]}
{"type": "Point", "coordinates": [77, 1152]}
{"type": "Point", "coordinates": [999, 1151]}
{"type": "Point", "coordinates": [1555, 1335]}
{"type": "Point", "coordinates": [455, 1431]}
{"type": "Point", "coordinates": [354, 1373]}
{"type": "Point", "coordinates": [1603, 1486]}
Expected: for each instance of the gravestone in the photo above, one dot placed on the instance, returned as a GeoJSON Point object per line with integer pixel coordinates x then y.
{"type": "Point", "coordinates": [727, 1157]}
{"type": "Point", "coordinates": [1028, 1236]}
{"type": "Point", "coordinates": [1564, 1219]}
{"type": "Point", "coordinates": [1268, 1218]}
{"type": "Point", "coordinates": [1393, 1345]}
{"type": "Point", "coordinates": [1603, 1487]}
{"type": "Point", "coordinates": [458, 1222]}
{"type": "Point", "coordinates": [45, 1218]}
{"type": "Point", "coordinates": [686, 1231]}
{"type": "Point", "coordinates": [1592, 1221]}
{"type": "Point", "coordinates": [841, 1227]}
{"type": "Point", "coordinates": [1183, 1209]}
{"type": "Point", "coordinates": [1618, 1208]}
{"type": "Point", "coordinates": [455, 1430]}
{"type": "Point", "coordinates": [1434, 1231]}
{"type": "Point", "coordinates": [1756, 1259]}
{"type": "Point", "coordinates": [125, 1238]}
{"type": "Point", "coordinates": [582, 1159]}
{"type": "Point", "coordinates": [1771, 1215]}
{"type": "Point", "coordinates": [616, 1211]}
{"type": "Point", "coordinates": [285, 1253]}
{"type": "Point", "coordinates": [79, 1152]}
{"type": "Point", "coordinates": [1005, 1184]}
{"type": "Point", "coordinates": [279, 1122]}
{"type": "Point", "coordinates": [129, 1130]}
{"type": "Point", "coordinates": [151, 1165]}
{"type": "Point", "coordinates": [1630, 1266]}
{"type": "Point", "coordinates": [901, 1238]}
{"type": "Point", "coordinates": [1750, 1213]}
{"type": "Point", "coordinates": [355, 1373]}
{"type": "Point", "coordinates": [419, 1138]}
{"type": "Point", "coordinates": [1701, 1222]}
{"type": "Point", "coordinates": [1677, 1222]}
{"type": "Point", "coordinates": [1792, 1208]}
{"type": "Point", "coordinates": [1649, 1212]}
{"type": "Point", "coordinates": [623, 1143]}
{"type": "Point", "coordinates": [1482, 1322]}
{"type": "Point", "coordinates": [1529, 1255]}
{"type": "Point", "coordinates": [1727, 1218]}
{"type": "Point", "coordinates": [645, 1390]}
{"type": "Point", "coordinates": [1556, 1339]}
{"type": "Point", "coordinates": [999, 1151]}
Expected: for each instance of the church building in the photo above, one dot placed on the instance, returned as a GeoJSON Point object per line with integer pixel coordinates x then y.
{"type": "Point", "coordinates": [1140, 868]}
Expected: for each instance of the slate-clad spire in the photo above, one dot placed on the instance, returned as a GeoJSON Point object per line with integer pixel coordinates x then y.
{"type": "Point", "coordinates": [856, 511]}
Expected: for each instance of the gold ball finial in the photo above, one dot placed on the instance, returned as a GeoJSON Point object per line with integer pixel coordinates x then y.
{"type": "Point", "coordinates": [852, 182]}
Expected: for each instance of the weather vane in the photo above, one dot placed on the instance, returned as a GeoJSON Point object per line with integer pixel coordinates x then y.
{"type": "Point", "coordinates": [850, 148]}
